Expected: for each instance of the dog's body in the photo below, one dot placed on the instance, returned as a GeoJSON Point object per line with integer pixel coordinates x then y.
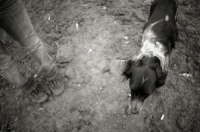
{"type": "Point", "coordinates": [160, 32]}
{"type": "Point", "coordinates": [149, 69]}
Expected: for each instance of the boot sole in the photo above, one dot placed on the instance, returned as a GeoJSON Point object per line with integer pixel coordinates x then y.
{"type": "Point", "coordinates": [41, 100]}
{"type": "Point", "coordinates": [58, 91]}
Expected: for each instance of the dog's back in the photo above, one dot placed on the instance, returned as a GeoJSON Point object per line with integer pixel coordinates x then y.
{"type": "Point", "coordinates": [163, 12]}
{"type": "Point", "coordinates": [149, 70]}
{"type": "Point", "coordinates": [159, 9]}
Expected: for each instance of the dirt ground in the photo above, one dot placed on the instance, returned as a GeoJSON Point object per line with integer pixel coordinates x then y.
{"type": "Point", "coordinates": [94, 36]}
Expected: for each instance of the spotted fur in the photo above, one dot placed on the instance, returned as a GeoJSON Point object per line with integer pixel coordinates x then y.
{"type": "Point", "coordinates": [148, 70]}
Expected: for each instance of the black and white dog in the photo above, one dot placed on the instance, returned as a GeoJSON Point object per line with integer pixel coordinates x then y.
{"type": "Point", "coordinates": [149, 69]}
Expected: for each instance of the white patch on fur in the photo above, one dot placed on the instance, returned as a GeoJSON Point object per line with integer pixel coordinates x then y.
{"type": "Point", "coordinates": [166, 18]}
{"type": "Point", "coordinates": [151, 47]}
{"type": "Point", "coordinates": [144, 79]}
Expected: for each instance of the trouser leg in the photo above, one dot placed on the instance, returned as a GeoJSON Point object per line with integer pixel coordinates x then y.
{"type": "Point", "coordinates": [9, 69]}
{"type": "Point", "coordinates": [16, 22]}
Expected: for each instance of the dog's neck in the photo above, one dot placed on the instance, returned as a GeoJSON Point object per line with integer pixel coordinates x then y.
{"type": "Point", "coordinates": [161, 57]}
{"type": "Point", "coordinates": [151, 46]}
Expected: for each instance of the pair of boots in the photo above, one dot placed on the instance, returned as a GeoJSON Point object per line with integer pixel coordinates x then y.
{"type": "Point", "coordinates": [39, 92]}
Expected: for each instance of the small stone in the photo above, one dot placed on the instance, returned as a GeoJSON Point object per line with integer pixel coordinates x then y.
{"type": "Point", "coordinates": [125, 37]}
{"type": "Point", "coordinates": [139, 15]}
{"type": "Point", "coordinates": [62, 72]}
{"type": "Point", "coordinates": [90, 50]}
{"type": "Point", "coordinates": [40, 108]}
{"type": "Point", "coordinates": [70, 73]}
{"type": "Point", "coordinates": [65, 54]}
{"type": "Point", "coordinates": [163, 116]}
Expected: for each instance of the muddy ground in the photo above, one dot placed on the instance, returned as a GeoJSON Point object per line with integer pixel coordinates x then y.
{"type": "Point", "coordinates": [94, 36]}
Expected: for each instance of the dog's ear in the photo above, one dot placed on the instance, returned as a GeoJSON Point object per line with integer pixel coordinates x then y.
{"type": "Point", "coordinates": [161, 81]}
{"type": "Point", "coordinates": [130, 66]}
{"type": "Point", "coordinates": [159, 71]}
{"type": "Point", "coordinates": [161, 75]}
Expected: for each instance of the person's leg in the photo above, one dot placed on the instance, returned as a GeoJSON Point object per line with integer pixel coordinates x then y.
{"type": "Point", "coordinates": [16, 22]}
{"type": "Point", "coordinates": [10, 71]}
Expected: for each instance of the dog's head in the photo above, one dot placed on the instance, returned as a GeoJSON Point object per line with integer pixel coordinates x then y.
{"type": "Point", "coordinates": [145, 73]}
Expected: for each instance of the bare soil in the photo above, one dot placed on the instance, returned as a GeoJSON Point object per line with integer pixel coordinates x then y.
{"type": "Point", "coordinates": [95, 36]}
